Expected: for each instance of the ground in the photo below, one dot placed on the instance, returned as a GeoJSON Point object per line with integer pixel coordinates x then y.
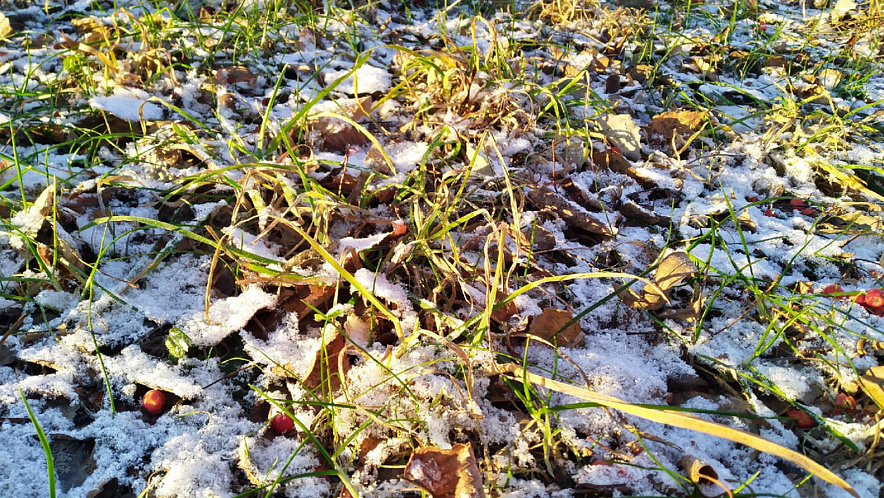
{"type": "Point", "coordinates": [475, 249]}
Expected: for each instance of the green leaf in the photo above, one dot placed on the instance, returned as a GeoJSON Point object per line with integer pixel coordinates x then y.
{"type": "Point", "coordinates": [177, 343]}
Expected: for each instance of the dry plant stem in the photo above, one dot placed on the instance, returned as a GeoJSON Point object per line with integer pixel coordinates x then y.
{"type": "Point", "coordinates": [682, 420]}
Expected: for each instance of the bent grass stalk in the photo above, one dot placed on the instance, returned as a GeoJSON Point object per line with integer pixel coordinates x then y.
{"type": "Point", "coordinates": [685, 421]}
{"type": "Point", "coordinates": [50, 463]}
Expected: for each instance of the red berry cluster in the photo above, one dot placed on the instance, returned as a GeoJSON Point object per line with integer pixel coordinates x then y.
{"type": "Point", "coordinates": [872, 299]}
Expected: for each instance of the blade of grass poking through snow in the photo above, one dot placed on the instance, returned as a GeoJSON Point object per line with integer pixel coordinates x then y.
{"type": "Point", "coordinates": [187, 233]}
{"type": "Point", "coordinates": [367, 294]}
{"type": "Point", "coordinates": [90, 289]}
{"type": "Point", "coordinates": [321, 449]}
{"type": "Point", "coordinates": [50, 463]}
{"type": "Point", "coordinates": [682, 420]}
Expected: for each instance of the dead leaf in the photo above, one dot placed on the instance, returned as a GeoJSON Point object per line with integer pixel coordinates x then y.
{"type": "Point", "coordinates": [852, 223]}
{"type": "Point", "coordinates": [361, 110]}
{"type": "Point", "coordinates": [700, 472]}
{"type": "Point", "coordinates": [672, 270]}
{"type": "Point", "coordinates": [622, 131]}
{"type": "Point", "coordinates": [668, 124]}
{"type": "Point", "coordinates": [550, 326]}
{"type": "Point", "coordinates": [324, 367]}
{"type": "Point", "coordinates": [633, 211]}
{"type": "Point", "coordinates": [539, 238]}
{"type": "Point", "coordinates": [73, 460]}
{"type": "Point", "coordinates": [872, 382]}
{"type": "Point", "coordinates": [236, 75]}
{"type": "Point", "coordinates": [570, 212]}
{"type": "Point", "coordinates": [450, 473]}
{"type": "Point", "coordinates": [5, 28]}
{"type": "Point", "coordinates": [338, 136]}
{"type": "Point", "coordinates": [505, 312]}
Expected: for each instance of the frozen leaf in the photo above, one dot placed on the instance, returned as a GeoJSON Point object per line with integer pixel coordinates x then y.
{"type": "Point", "coordinates": [360, 111]}
{"type": "Point", "coordinates": [746, 222]}
{"type": "Point", "coordinates": [550, 326]}
{"type": "Point", "coordinates": [539, 238]}
{"type": "Point", "coordinates": [505, 312]}
{"type": "Point", "coordinates": [674, 268]}
{"type": "Point", "coordinates": [303, 298]}
{"type": "Point", "coordinates": [842, 8]}
{"type": "Point", "coordinates": [571, 212]}
{"type": "Point", "coordinates": [633, 211]}
{"type": "Point", "coordinates": [450, 473]}
{"type": "Point", "coordinates": [856, 222]}
{"type": "Point", "coordinates": [237, 75]}
{"type": "Point", "coordinates": [338, 136]}
{"type": "Point", "coordinates": [73, 460]}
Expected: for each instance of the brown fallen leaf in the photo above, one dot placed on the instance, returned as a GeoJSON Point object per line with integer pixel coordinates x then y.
{"type": "Point", "coordinates": [550, 326]}
{"type": "Point", "coordinates": [570, 212]}
{"type": "Point", "coordinates": [672, 270]}
{"type": "Point", "coordinates": [450, 473]}
{"type": "Point", "coordinates": [324, 367]}
{"type": "Point", "coordinates": [234, 76]}
{"type": "Point", "coordinates": [338, 136]}
{"type": "Point", "coordinates": [671, 123]}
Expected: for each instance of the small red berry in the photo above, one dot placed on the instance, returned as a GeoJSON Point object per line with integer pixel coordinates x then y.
{"type": "Point", "coordinates": [797, 204]}
{"type": "Point", "coordinates": [399, 228]}
{"type": "Point", "coordinates": [752, 198]}
{"type": "Point", "coordinates": [844, 403]}
{"type": "Point", "coordinates": [154, 402]}
{"type": "Point", "coordinates": [282, 423]}
{"type": "Point", "coordinates": [874, 298]}
{"type": "Point", "coordinates": [833, 289]}
{"type": "Point", "coordinates": [807, 211]}
{"type": "Point", "coordinates": [859, 299]}
{"type": "Point", "coordinates": [769, 213]}
{"type": "Point", "coordinates": [801, 418]}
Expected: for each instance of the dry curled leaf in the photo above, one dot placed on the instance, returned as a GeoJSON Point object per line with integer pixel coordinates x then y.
{"type": "Point", "coordinates": [700, 472]}
{"type": "Point", "coordinates": [550, 326]}
{"type": "Point", "coordinates": [450, 473]}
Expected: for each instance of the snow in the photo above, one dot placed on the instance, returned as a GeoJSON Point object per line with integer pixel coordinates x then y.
{"type": "Point", "coordinates": [225, 316]}
{"type": "Point", "coordinates": [130, 104]}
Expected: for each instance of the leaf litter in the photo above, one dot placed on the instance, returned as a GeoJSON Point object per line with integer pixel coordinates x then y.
{"type": "Point", "coordinates": [557, 249]}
